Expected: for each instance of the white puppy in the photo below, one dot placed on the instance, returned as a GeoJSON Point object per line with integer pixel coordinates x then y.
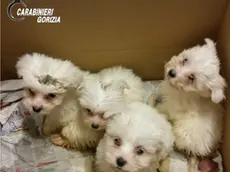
{"type": "Point", "coordinates": [103, 93]}
{"type": "Point", "coordinates": [136, 140]}
{"type": "Point", "coordinates": [98, 101]}
{"type": "Point", "coordinates": [100, 95]}
{"type": "Point", "coordinates": [77, 132]}
{"type": "Point", "coordinates": [47, 81]}
{"type": "Point", "coordinates": [190, 93]}
{"type": "Point", "coordinates": [49, 87]}
{"type": "Point", "coordinates": [51, 91]}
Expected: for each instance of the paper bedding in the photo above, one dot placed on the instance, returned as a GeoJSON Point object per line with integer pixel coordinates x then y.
{"type": "Point", "coordinates": [23, 151]}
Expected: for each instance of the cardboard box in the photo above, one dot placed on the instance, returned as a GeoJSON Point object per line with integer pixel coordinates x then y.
{"type": "Point", "coordinates": [142, 35]}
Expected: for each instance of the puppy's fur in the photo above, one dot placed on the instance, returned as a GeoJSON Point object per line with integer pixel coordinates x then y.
{"type": "Point", "coordinates": [190, 93]}
{"type": "Point", "coordinates": [202, 64]}
{"type": "Point", "coordinates": [103, 93]}
{"type": "Point", "coordinates": [98, 102]}
{"type": "Point", "coordinates": [45, 75]}
{"type": "Point", "coordinates": [135, 141]}
{"type": "Point", "coordinates": [100, 95]}
{"type": "Point", "coordinates": [47, 81]}
{"type": "Point", "coordinates": [125, 81]}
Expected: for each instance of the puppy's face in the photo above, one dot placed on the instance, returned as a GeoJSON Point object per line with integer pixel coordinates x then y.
{"type": "Point", "coordinates": [129, 146]}
{"type": "Point", "coordinates": [196, 69]}
{"type": "Point", "coordinates": [127, 154]}
{"type": "Point", "coordinates": [40, 102]}
{"type": "Point", "coordinates": [183, 73]}
{"type": "Point", "coordinates": [94, 119]}
{"type": "Point", "coordinates": [97, 103]}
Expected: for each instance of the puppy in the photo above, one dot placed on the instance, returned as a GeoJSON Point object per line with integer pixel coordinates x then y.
{"type": "Point", "coordinates": [49, 88]}
{"type": "Point", "coordinates": [136, 140]}
{"type": "Point", "coordinates": [96, 104]}
{"type": "Point", "coordinates": [101, 94]}
{"type": "Point", "coordinates": [190, 92]}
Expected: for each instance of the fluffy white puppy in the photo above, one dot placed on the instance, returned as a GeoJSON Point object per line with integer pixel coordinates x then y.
{"type": "Point", "coordinates": [102, 94]}
{"type": "Point", "coordinates": [136, 140]}
{"type": "Point", "coordinates": [47, 80]}
{"type": "Point", "coordinates": [93, 106]}
{"type": "Point", "coordinates": [190, 93]}
{"type": "Point", "coordinates": [98, 102]}
{"type": "Point", "coordinates": [49, 85]}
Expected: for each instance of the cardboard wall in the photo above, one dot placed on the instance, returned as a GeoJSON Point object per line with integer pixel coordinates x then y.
{"type": "Point", "coordinates": [94, 34]}
{"type": "Point", "coordinates": [224, 50]}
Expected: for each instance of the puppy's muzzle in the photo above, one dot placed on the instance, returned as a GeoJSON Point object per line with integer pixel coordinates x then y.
{"type": "Point", "coordinates": [37, 109]}
{"type": "Point", "coordinates": [95, 126]}
{"type": "Point", "coordinates": [121, 162]}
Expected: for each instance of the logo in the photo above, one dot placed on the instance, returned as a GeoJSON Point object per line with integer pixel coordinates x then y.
{"type": "Point", "coordinates": [9, 9]}
{"type": "Point", "coordinates": [44, 15]}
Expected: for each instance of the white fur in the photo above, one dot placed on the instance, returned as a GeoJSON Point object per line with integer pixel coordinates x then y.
{"type": "Point", "coordinates": [196, 119]}
{"type": "Point", "coordinates": [124, 80]}
{"type": "Point", "coordinates": [138, 125]}
{"type": "Point", "coordinates": [35, 68]}
{"type": "Point", "coordinates": [102, 102]}
{"type": "Point", "coordinates": [68, 118]}
{"type": "Point", "coordinates": [202, 62]}
{"type": "Point", "coordinates": [105, 92]}
{"type": "Point", "coordinates": [32, 67]}
{"type": "Point", "coordinates": [63, 112]}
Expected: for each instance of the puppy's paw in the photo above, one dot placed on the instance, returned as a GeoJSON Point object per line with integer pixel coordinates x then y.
{"type": "Point", "coordinates": [58, 140]}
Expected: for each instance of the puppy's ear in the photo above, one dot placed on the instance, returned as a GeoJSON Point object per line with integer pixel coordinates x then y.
{"type": "Point", "coordinates": [210, 44]}
{"type": "Point", "coordinates": [217, 90]}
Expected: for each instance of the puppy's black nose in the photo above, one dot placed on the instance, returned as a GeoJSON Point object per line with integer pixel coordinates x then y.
{"type": "Point", "coordinates": [95, 126]}
{"type": "Point", "coordinates": [37, 109]}
{"type": "Point", "coordinates": [121, 162]}
{"type": "Point", "coordinates": [172, 73]}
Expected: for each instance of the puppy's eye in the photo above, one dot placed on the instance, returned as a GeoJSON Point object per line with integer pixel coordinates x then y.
{"type": "Point", "coordinates": [185, 60]}
{"type": "Point", "coordinates": [191, 77]}
{"type": "Point", "coordinates": [50, 96]}
{"type": "Point", "coordinates": [117, 142]}
{"type": "Point", "coordinates": [139, 150]}
{"type": "Point", "coordinates": [88, 110]}
{"type": "Point", "coordinates": [31, 92]}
